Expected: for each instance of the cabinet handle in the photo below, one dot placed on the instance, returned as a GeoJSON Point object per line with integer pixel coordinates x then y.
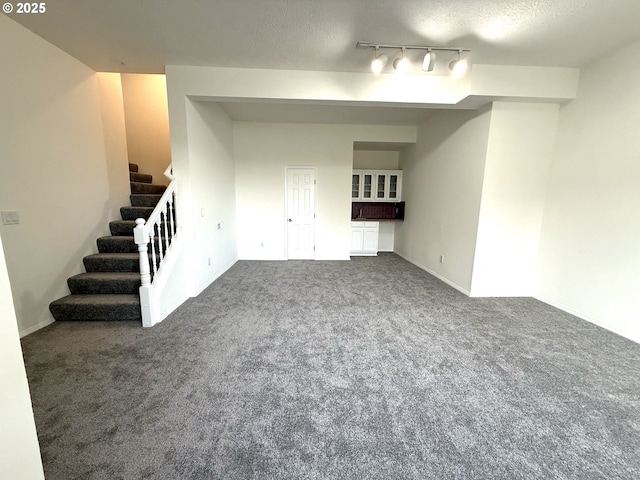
{"type": "Point", "coordinates": [290, 220]}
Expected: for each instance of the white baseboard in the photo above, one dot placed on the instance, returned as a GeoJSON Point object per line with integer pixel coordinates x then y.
{"type": "Point", "coordinates": [438, 276]}
{"type": "Point", "coordinates": [587, 318]}
{"type": "Point", "coordinates": [35, 328]}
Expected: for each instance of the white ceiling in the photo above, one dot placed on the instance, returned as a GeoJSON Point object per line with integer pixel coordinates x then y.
{"type": "Point", "coordinates": [144, 35]}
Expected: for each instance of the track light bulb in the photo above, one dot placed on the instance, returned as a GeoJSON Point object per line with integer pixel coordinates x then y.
{"type": "Point", "coordinates": [429, 61]}
{"type": "Point", "coordinates": [378, 62]}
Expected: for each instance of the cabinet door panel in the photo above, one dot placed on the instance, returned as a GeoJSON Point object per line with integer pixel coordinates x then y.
{"type": "Point", "coordinates": [355, 186]}
{"type": "Point", "coordinates": [393, 187]}
{"type": "Point", "coordinates": [367, 186]}
{"type": "Point", "coordinates": [381, 185]}
{"type": "Point", "coordinates": [370, 240]}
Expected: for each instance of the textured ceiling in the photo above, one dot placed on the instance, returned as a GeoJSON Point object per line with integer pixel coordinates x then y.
{"type": "Point", "coordinates": [144, 35]}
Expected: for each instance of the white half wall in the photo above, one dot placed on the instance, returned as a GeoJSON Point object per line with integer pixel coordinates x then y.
{"type": "Point", "coordinates": [19, 449]}
{"type": "Point", "coordinates": [520, 147]}
{"type": "Point", "coordinates": [442, 185]}
{"type": "Point", "coordinates": [213, 193]}
{"type": "Point", "coordinates": [589, 260]}
{"type": "Point", "coordinates": [57, 170]}
{"type": "Point", "coordinates": [263, 150]}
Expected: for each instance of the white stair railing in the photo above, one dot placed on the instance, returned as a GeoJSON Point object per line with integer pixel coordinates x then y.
{"type": "Point", "coordinates": [159, 234]}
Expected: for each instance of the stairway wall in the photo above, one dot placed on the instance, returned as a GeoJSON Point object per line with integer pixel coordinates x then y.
{"type": "Point", "coordinates": [59, 168]}
{"type": "Point", "coordinates": [147, 123]}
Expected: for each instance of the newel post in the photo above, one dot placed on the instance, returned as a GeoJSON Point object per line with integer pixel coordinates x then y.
{"type": "Point", "coordinates": [141, 237]}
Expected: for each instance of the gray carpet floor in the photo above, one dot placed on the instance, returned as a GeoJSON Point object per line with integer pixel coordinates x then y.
{"type": "Point", "coordinates": [369, 369]}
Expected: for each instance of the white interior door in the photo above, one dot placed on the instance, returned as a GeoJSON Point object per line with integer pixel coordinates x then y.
{"type": "Point", "coordinates": [301, 211]}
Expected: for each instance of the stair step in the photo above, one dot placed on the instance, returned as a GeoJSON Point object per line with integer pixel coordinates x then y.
{"type": "Point", "coordinates": [131, 213]}
{"type": "Point", "coordinates": [137, 187]}
{"type": "Point", "coordinates": [133, 167]}
{"type": "Point", "coordinates": [122, 227]}
{"type": "Point", "coordinates": [97, 308]}
{"type": "Point", "coordinates": [121, 244]}
{"type": "Point", "coordinates": [105, 283]}
{"type": "Point", "coordinates": [140, 177]}
{"type": "Point", "coordinates": [112, 262]}
{"type": "Point", "coordinates": [142, 200]}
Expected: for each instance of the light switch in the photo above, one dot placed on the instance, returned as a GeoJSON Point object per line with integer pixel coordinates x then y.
{"type": "Point", "coordinates": [10, 217]}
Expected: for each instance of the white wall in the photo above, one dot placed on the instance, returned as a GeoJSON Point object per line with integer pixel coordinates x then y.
{"type": "Point", "coordinates": [19, 449]}
{"type": "Point", "coordinates": [263, 150]}
{"type": "Point", "coordinates": [442, 185]}
{"type": "Point", "coordinates": [589, 260]}
{"type": "Point", "coordinates": [147, 123]}
{"type": "Point", "coordinates": [55, 169]}
{"type": "Point", "coordinates": [213, 192]}
{"type": "Point", "coordinates": [520, 146]}
{"type": "Point", "coordinates": [376, 159]}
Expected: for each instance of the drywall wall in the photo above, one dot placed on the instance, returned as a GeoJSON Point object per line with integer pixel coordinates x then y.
{"type": "Point", "coordinates": [147, 123]}
{"type": "Point", "coordinates": [442, 179]}
{"type": "Point", "coordinates": [520, 146]}
{"type": "Point", "coordinates": [263, 150]}
{"type": "Point", "coordinates": [588, 261]}
{"type": "Point", "coordinates": [376, 159]}
{"type": "Point", "coordinates": [213, 193]}
{"type": "Point", "coordinates": [55, 169]}
{"type": "Point", "coordinates": [19, 449]}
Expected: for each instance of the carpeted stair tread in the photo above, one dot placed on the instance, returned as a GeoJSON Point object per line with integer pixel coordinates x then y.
{"type": "Point", "coordinates": [140, 177]}
{"type": "Point", "coordinates": [133, 167]}
{"type": "Point", "coordinates": [117, 244]}
{"type": "Point", "coordinates": [105, 283]}
{"type": "Point", "coordinates": [97, 308]}
{"type": "Point", "coordinates": [122, 227]}
{"type": "Point", "coordinates": [137, 187]}
{"type": "Point", "coordinates": [132, 213]}
{"type": "Point", "coordinates": [145, 200]}
{"type": "Point", "coordinates": [112, 262]}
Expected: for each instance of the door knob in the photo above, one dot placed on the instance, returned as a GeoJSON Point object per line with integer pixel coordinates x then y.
{"type": "Point", "coordinates": [290, 220]}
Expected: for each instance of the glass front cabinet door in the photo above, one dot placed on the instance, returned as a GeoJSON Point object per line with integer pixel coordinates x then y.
{"type": "Point", "coordinates": [355, 186]}
{"type": "Point", "coordinates": [367, 186]}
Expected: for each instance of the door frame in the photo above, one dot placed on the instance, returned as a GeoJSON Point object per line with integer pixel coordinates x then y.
{"type": "Point", "coordinates": [287, 168]}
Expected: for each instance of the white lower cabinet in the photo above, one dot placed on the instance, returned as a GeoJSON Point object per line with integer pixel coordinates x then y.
{"type": "Point", "coordinates": [364, 238]}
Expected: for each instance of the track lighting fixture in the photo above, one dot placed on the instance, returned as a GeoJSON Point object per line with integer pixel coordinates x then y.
{"type": "Point", "coordinates": [458, 66]}
{"type": "Point", "coordinates": [429, 61]}
{"type": "Point", "coordinates": [401, 64]}
{"type": "Point", "coordinates": [378, 62]}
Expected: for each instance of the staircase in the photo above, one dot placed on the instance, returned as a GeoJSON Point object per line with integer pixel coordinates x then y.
{"type": "Point", "coordinates": [109, 290]}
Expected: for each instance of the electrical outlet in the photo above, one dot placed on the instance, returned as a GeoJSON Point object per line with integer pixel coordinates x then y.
{"type": "Point", "coordinates": [10, 217]}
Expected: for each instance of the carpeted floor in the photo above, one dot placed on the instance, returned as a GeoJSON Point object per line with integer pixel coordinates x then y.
{"type": "Point", "coordinates": [369, 369]}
